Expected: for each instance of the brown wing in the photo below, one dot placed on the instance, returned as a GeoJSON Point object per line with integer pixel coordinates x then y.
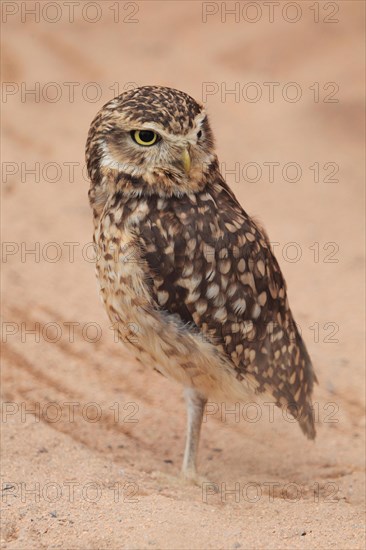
{"type": "Point", "coordinates": [212, 265]}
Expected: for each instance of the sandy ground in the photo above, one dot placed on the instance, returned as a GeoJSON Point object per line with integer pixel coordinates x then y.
{"type": "Point", "coordinates": [95, 464]}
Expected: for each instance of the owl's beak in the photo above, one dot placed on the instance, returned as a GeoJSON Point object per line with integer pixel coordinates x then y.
{"type": "Point", "coordinates": [186, 158]}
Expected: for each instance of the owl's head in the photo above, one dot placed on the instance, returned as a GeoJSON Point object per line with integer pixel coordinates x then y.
{"type": "Point", "coordinates": [149, 140]}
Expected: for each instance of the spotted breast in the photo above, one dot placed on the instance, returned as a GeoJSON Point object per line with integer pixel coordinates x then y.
{"type": "Point", "coordinates": [193, 288]}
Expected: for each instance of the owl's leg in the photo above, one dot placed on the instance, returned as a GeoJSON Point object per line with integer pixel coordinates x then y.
{"type": "Point", "coordinates": [195, 407]}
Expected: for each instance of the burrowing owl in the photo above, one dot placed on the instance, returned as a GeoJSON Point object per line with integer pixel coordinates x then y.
{"type": "Point", "coordinates": [185, 274]}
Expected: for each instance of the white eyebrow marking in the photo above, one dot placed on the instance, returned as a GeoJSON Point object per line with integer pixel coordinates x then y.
{"type": "Point", "coordinates": [191, 136]}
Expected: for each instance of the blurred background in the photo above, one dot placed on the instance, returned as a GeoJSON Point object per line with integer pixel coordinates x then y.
{"type": "Point", "coordinates": [283, 83]}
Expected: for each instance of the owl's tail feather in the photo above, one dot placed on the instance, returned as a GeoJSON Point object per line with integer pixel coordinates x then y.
{"type": "Point", "coordinates": [304, 414]}
{"type": "Point", "coordinates": [307, 422]}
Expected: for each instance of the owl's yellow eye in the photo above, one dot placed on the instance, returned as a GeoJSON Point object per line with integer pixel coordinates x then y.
{"type": "Point", "coordinates": [144, 137]}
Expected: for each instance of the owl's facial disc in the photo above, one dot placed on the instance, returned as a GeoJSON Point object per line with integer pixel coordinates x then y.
{"type": "Point", "coordinates": [154, 154]}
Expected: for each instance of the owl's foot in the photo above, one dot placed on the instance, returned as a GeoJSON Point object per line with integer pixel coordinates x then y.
{"type": "Point", "coordinates": [192, 478]}
{"type": "Point", "coordinates": [184, 479]}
